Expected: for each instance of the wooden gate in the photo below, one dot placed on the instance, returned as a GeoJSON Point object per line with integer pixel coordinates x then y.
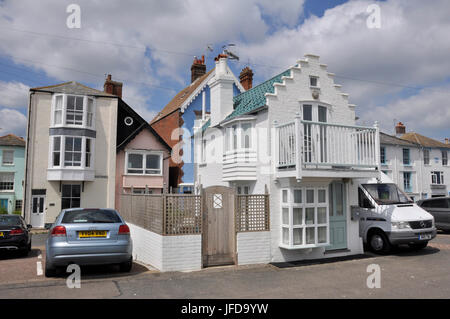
{"type": "Point", "coordinates": [218, 236]}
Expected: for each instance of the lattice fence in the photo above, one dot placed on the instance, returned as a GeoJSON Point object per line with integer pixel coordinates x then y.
{"type": "Point", "coordinates": [252, 213]}
{"type": "Point", "coordinates": [168, 214]}
{"type": "Point", "coordinates": [183, 214]}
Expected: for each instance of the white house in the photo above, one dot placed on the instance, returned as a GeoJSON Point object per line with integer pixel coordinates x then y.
{"type": "Point", "coordinates": [294, 137]}
{"type": "Point", "coordinates": [418, 164]}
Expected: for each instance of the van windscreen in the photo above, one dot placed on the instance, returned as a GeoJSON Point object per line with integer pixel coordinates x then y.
{"type": "Point", "coordinates": [387, 194]}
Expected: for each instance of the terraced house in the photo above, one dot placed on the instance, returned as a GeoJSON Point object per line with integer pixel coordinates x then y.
{"type": "Point", "coordinates": [12, 163]}
{"type": "Point", "coordinates": [84, 147]}
{"type": "Point", "coordinates": [293, 137]}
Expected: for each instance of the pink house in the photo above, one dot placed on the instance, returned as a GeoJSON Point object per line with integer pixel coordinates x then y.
{"type": "Point", "coordinates": [142, 156]}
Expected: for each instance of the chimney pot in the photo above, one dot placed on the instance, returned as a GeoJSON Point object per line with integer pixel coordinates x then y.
{"type": "Point", "coordinates": [112, 87]}
{"type": "Point", "coordinates": [198, 68]}
{"type": "Point", "coordinates": [447, 140]}
{"type": "Point", "coordinates": [400, 129]}
{"type": "Point", "coordinates": [246, 78]}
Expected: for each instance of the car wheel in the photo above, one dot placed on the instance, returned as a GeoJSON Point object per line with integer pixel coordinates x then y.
{"type": "Point", "coordinates": [126, 266]}
{"type": "Point", "coordinates": [379, 243]}
{"type": "Point", "coordinates": [418, 246]}
{"type": "Point", "coordinates": [49, 271]}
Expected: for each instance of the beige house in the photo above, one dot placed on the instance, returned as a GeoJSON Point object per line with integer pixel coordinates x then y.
{"type": "Point", "coordinates": [70, 151]}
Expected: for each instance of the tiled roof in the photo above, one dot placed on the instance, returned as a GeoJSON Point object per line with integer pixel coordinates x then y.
{"type": "Point", "coordinates": [11, 140]}
{"type": "Point", "coordinates": [72, 88]}
{"type": "Point", "coordinates": [423, 140]}
{"type": "Point", "coordinates": [255, 98]}
{"type": "Point", "coordinates": [180, 98]}
{"type": "Point", "coordinates": [392, 140]}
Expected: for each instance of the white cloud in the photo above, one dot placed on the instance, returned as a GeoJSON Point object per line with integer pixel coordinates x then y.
{"type": "Point", "coordinates": [13, 94]}
{"type": "Point", "coordinates": [425, 113]}
{"type": "Point", "coordinates": [409, 49]}
{"type": "Point", "coordinates": [12, 121]}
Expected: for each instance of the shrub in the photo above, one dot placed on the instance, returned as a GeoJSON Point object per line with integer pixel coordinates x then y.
{"type": "Point", "coordinates": [17, 212]}
{"type": "Point", "coordinates": [3, 211]}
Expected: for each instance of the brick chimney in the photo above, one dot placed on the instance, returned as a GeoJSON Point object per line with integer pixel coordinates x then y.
{"type": "Point", "coordinates": [246, 78]}
{"type": "Point", "coordinates": [198, 68]}
{"type": "Point", "coordinates": [446, 141]}
{"type": "Point", "coordinates": [400, 129]}
{"type": "Point", "coordinates": [112, 87]}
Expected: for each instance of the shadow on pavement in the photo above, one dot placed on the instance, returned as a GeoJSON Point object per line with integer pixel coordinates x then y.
{"type": "Point", "coordinates": [17, 254]}
{"type": "Point", "coordinates": [102, 271]}
{"type": "Point", "coordinates": [406, 251]}
{"type": "Point", "coordinates": [321, 261]}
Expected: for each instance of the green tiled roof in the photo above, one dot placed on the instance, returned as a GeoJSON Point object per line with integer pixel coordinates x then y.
{"type": "Point", "coordinates": [255, 97]}
{"type": "Point", "coordinates": [252, 99]}
{"type": "Point", "coordinates": [206, 125]}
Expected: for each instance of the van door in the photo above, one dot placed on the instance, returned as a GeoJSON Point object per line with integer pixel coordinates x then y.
{"type": "Point", "coordinates": [338, 216]}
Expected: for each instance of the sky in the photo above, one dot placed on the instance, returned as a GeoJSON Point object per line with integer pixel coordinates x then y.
{"type": "Point", "coordinates": [398, 70]}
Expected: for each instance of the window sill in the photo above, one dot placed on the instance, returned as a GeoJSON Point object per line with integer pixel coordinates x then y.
{"type": "Point", "coordinates": [309, 246]}
{"type": "Point", "coordinates": [8, 165]}
{"type": "Point", "coordinates": [143, 175]}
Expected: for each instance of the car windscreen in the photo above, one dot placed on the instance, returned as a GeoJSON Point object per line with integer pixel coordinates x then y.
{"type": "Point", "coordinates": [387, 194]}
{"type": "Point", "coordinates": [85, 216]}
{"type": "Point", "coordinates": [10, 221]}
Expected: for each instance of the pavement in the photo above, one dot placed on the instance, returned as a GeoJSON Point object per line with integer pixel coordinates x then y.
{"type": "Point", "coordinates": [404, 274]}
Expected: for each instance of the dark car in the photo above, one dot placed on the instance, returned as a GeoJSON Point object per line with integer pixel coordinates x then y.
{"type": "Point", "coordinates": [439, 207]}
{"type": "Point", "coordinates": [14, 234]}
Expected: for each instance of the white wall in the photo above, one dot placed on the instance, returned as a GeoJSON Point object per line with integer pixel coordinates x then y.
{"type": "Point", "coordinates": [166, 253]}
{"type": "Point", "coordinates": [253, 248]}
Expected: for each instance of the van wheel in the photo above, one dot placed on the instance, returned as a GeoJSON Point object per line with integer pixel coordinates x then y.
{"type": "Point", "coordinates": [418, 246]}
{"type": "Point", "coordinates": [379, 243]}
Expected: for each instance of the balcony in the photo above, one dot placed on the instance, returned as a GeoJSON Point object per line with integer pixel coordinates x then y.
{"type": "Point", "coordinates": [326, 150]}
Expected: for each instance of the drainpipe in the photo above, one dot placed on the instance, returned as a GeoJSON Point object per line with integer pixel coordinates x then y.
{"type": "Point", "coordinates": [24, 205]}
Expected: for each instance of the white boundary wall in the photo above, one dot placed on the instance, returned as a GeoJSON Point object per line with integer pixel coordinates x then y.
{"type": "Point", "coordinates": [166, 253]}
{"type": "Point", "coordinates": [253, 248]}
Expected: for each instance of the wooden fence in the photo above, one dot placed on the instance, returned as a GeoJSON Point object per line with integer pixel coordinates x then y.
{"type": "Point", "coordinates": [181, 214]}
{"type": "Point", "coordinates": [252, 213]}
{"type": "Point", "coordinates": [167, 214]}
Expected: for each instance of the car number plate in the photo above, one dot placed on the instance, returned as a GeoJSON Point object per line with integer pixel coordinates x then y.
{"type": "Point", "coordinates": [92, 234]}
{"type": "Point", "coordinates": [425, 236]}
{"type": "Point", "coordinates": [2, 234]}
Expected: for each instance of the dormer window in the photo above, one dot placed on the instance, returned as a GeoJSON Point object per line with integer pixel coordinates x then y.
{"type": "Point", "coordinates": [314, 81]}
{"type": "Point", "coordinates": [73, 111]}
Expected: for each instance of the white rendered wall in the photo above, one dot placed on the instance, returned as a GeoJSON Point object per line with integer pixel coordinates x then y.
{"type": "Point", "coordinates": [253, 248]}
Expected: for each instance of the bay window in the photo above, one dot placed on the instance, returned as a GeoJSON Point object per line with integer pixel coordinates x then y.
{"type": "Point", "coordinates": [144, 163]}
{"type": "Point", "coordinates": [304, 217]}
{"type": "Point", "coordinates": [71, 152]}
{"type": "Point", "coordinates": [73, 110]}
{"type": "Point", "coordinates": [239, 136]}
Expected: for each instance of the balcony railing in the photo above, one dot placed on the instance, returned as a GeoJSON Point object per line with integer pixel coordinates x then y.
{"type": "Point", "coordinates": [325, 145]}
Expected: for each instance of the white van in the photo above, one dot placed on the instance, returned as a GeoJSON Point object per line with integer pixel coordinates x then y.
{"type": "Point", "coordinates": [388, 217]}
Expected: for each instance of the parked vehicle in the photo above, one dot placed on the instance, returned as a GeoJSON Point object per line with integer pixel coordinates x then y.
{"type": "Point", "coordinates": [439, 207]}
{"type": "Point", "coordinates": [14, 234]}
{"type": "Point", "coordinates": [88, 236]}
{"type": "Point", "coordinates": [388, 217]}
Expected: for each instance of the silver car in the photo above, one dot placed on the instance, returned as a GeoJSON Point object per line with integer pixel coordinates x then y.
{"type": "Point", "coordinates": [439, 207]}
{"type": "Point", "coordinates": [88, 236]}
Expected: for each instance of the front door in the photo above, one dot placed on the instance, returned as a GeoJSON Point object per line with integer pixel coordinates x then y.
{"type": "Point", "coordinates": [4, 203]}
{"type": "Point", "coordinates": [338, 217]}
{"type": "Point", "coordinates": [37, 210]}
{"type": "Point", "coordinates": [218, 236]}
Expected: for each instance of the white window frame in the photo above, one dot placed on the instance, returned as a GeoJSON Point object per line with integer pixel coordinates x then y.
{"type": "Point", "coordinates": [144, 154]}
{"type": "Point", "coordinates": [3, 157]}
{"type": "Point", "coordinates": [64, 112]}
{"type": "Point", "coordinates": [444, 158]}
{"type": "Point", "coordinates": [426, 151]}
{"type": "Point", "coordinates": [4, 180]}
{"type": "Point", "coordinates": [62, 151]}
{"type": "Point", "coordinates": [290, 205]}
{"type": "Point", "coordinates": [72, 184]}
{"type": "Point", "coordinates": [239, 137]}
{"type": "Point", "coordinates": [434, 175]}
{"type": "Point", "coordinates": [317, 82]}
{"type": "Point", "coordinates": [315, 110]}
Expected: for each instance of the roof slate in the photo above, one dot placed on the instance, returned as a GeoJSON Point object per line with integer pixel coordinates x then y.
{"type": "Point", "coordinates": [72, 88]}
{"type": "Point", "coordinates": [12, 140]}
{"type": "Point", "coordinates": [392, 140]}
{"type": "Point", "coordinates": [423, 140]}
